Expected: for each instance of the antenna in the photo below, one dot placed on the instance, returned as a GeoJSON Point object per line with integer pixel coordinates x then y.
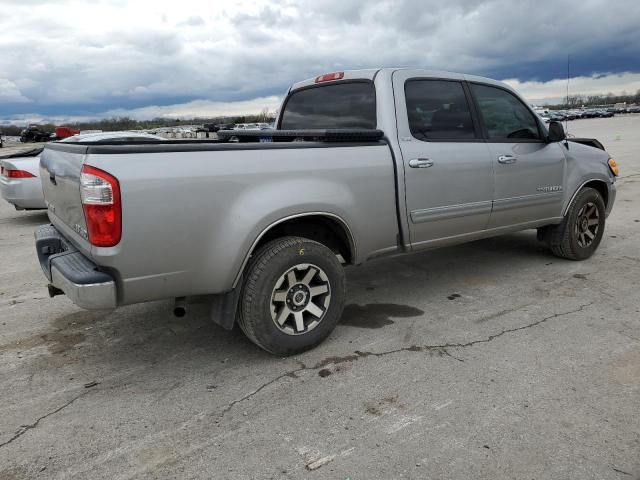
{"type": "Point", "coordinates": [566, 119]}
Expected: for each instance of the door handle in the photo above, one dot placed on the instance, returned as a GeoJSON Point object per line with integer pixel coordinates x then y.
{"type": "Point", "coordinates": [420, 163]}
{"type": "Point", "coordinates": [506, 159]}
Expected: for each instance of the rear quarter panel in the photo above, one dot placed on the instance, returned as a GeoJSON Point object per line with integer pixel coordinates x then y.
{"type": "Point", "coordinates": [190, 218]}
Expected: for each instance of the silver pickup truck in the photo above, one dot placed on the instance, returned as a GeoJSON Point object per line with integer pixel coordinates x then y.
{"type": "Point", "coordinates": [362, 164]}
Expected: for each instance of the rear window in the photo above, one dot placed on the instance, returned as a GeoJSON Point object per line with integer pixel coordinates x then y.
{"type": "Point", "coordinates": [341, 105]}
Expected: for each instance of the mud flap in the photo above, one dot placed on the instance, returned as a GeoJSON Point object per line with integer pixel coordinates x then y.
{"type": "Point", "coordinates": [224, 307]}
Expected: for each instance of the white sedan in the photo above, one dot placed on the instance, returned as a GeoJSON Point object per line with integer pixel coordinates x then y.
{"type": "Point", "coordinates": [20, 172]}
{"type": "Point", "coordinates": [20, 180]}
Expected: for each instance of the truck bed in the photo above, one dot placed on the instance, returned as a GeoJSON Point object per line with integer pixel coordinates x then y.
{"type": "Point", "coordinates": [191, 210]}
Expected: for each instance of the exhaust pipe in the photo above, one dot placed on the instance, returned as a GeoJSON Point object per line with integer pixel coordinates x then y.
{"type": "Point", "coordinates": [180, 307]}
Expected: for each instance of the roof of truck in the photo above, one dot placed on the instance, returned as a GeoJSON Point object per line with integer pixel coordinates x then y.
{"type": "Point", "coordinates": [370, 74]}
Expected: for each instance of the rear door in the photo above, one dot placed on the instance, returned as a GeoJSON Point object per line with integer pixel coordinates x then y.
{"type": "Point", "coordinates": [447, 168]}
{"type": "Point", "coordinates": [528, 170]}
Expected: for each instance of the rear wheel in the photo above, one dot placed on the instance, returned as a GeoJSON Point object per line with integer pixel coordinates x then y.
{"type": "Point", "coordinates": [293, 295]}
{"type": "Point", "coordinates": [579, 235]}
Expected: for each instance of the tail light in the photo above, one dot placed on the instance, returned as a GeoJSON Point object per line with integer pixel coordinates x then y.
{"type": "Point", "coordinates": [100, 193]}
{"type": "Point", "coordinates": [328, 77]}
{"type": "Point", "coordinates": [16, 173]}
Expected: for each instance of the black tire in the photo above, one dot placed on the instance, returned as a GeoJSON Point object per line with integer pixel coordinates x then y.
{"type": "Point", "coordinates": [565, 239]}
{"type": "Point", "coordinates": [265, 269]}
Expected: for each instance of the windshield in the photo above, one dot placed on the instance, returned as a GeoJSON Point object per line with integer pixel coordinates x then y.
{"type": "Point", "coordinates": [338, 105]}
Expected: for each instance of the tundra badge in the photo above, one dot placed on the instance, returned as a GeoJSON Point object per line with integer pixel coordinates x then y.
{"type": "Point", "coordinates": [550, 188]}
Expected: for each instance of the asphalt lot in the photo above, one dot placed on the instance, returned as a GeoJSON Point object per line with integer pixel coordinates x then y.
{"type": "Point", "coordinates": [489, 360]}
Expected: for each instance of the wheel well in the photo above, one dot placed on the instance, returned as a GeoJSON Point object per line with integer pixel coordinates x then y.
{"type": "Point", "coordinates": [326, 230]}
{"type": "Point", "coordinates": [601, 187]}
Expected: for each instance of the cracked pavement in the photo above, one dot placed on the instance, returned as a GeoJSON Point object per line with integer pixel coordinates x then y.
{"type": "Point", "coordinates": [487, 360]}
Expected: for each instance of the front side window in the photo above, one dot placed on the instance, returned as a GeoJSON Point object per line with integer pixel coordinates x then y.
{"type": "Point", "coordinates": [504, 115]}
{"type": "Point", "coordinates": [341, 105]}
{"type": "Point", "coordinates": [438, 110]}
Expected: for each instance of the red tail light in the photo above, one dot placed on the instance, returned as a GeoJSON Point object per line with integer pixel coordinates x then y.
{"type": "Point", "coordinates": [100, 193]}
{"type": "Point", "coordinates": [328, 77]}
{"type": "Point", "coordinates": [16, 173]}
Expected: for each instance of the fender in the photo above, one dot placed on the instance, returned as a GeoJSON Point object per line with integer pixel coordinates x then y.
{"type": "Point", "coordinates": [350, 236]}
{"type": "Point", "coordinates": [223, 307]}
{"type": "Point", "coordinates": [566, 207]}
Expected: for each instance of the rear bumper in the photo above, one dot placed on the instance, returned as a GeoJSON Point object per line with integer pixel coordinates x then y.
{"type": "Point", "coordinates": [22, 193]}
{"type": "Point", "coordinates": [69, 270]}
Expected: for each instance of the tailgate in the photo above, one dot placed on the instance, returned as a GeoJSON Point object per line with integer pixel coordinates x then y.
{"type": "Point", "coordinates": [60, 176]}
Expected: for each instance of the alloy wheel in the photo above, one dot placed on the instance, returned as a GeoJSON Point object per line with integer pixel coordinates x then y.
{"type": "Point", "coordinates": [300, 299]}
{"type": "Point", "coordinates": [587, 224]}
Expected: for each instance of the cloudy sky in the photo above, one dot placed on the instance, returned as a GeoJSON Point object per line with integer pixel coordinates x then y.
{"type": "Point", "coordinates": [66, 59]}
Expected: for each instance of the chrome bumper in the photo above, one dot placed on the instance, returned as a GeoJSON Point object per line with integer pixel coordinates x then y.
{"type": "Point", "coordinates": [70, 271]}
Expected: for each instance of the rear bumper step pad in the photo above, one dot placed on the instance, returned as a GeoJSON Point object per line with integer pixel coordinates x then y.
{"type": "Point", "coordinates": [69, 270]}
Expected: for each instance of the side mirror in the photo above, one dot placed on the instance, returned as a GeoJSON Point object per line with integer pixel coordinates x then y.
{"type": "Point", "coordinates": [556, 132]}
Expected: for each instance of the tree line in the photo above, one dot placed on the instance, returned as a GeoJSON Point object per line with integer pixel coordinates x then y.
{"type": "Point", "coordinates": [575, 101]}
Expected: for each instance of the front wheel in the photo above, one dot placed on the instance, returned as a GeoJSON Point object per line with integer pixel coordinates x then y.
{"type": "Point", "coordinates": [580, 233]}
{"type": "Point", "coordinates": [293, 295]}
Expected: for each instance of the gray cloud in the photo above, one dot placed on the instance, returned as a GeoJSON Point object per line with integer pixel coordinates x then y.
{"type": "Point", "coordinates": [106, 55]}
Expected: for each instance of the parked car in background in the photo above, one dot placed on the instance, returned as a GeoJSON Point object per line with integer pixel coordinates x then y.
{"type": "Point", "coordinates": [33, 133]}
{"type": "Point", "coordinates": [253, 126]}
{"type": "Point", "coordinates": [20, 179]}
{"type": "Point", "coordinates": [65, 132]}
{"type": "Point", "coordinates": [20, 172]}
{"type": "Point", "coordinates": [363, 164]}
{"type": "Point", "coordinates": [557, 116]}
{"type": "Point", "coordinates": [562, 115]}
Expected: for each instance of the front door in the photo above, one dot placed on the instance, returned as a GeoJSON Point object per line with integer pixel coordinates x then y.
{"type": "Point", "coordinates": [447, 168]}
{"type": "Point", "coordinates": [529, 171]}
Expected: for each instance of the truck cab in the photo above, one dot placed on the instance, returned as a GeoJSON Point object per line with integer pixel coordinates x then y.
{"type": "Point", "coordinates": [474, 158]}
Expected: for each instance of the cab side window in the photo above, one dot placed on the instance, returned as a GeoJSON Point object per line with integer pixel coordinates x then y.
{"type": "Point", "coordinates": [504, 115]}
{"type": "Point", "coordinates": [438, 110]}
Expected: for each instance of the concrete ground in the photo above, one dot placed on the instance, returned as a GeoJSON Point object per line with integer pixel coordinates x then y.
{"type": "Point", "coordinates": [489, 360]}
